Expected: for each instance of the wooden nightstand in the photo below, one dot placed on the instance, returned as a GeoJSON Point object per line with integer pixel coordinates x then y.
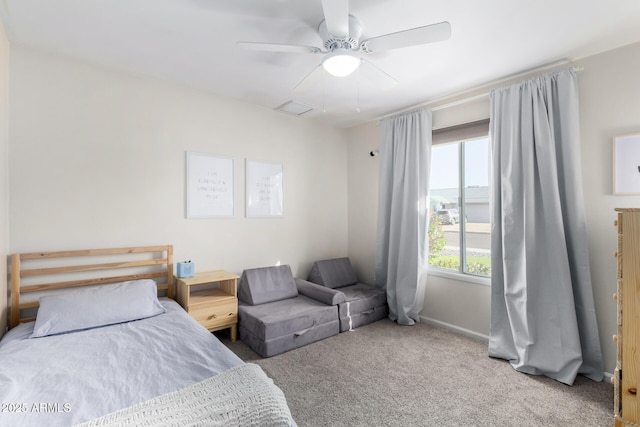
{"type": "Point", "coordinates": [214, 309]}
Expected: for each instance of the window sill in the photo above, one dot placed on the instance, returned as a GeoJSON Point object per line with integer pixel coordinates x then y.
{"type": "Point", "coordinates": [486, 281]}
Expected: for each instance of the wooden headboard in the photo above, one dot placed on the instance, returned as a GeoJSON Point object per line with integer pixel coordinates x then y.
{"type": "Point", "coordinates": [150, 262]}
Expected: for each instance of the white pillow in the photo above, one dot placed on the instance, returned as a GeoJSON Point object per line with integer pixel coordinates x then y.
{"type": "Point", "coordinates": [97, 306]}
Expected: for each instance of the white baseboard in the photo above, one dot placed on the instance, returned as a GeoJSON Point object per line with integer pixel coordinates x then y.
{"type": "Point", "coordinates": [472, 334]}
{"type": "Point", "coordinates": [466, 332]}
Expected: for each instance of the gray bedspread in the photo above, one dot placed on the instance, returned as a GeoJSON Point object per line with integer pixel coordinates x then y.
{"type": "Point", "coordinates": [72, 378]}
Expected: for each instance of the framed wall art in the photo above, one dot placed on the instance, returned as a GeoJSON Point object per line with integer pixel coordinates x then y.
{"type": "Point", "coordinates": [626, 164]}
{"type": "Point", "coordinates": [265, 193]}
{"type": "Point", "coordinates": [210, 187]}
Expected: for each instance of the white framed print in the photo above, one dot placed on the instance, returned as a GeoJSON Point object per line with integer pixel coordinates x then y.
{"type": "Point", "coordinates": [264, 192]}
{"type": "Point", "coordinates": [210, 190]}
{"type": "Point", "coordinates": [626, 165]}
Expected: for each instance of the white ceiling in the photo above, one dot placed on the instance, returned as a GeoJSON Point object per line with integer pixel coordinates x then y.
{"type": "Point", "coordinates": [193, 42]}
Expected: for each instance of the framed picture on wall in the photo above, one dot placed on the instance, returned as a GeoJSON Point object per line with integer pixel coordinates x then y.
{"type": "Point", "coordinates": [265, 191]}
{"type": "Point", "coordinates": [209, 186]}
{"type": "Point", "coordinates": [626, 164]}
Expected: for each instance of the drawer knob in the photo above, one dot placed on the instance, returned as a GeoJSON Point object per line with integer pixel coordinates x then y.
{"type": "Point", "coordinates": [633, 391]}
{"type": "Point", "coordinates": [615, 297]}
{"type": "Point", "coordinates": [213, 316]}
{"type": "Point", "coordinates": [615, 338]}
{"type": "Point", "coordinates": [615, 254]}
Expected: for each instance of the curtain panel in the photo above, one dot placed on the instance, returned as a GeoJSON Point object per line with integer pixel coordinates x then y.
{"type": "Point", "coordinates": [402, 246]}
{"type": "Point", "coordinates": [542, 310]}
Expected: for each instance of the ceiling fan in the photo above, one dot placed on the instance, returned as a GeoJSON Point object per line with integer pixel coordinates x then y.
{"type": "Point", "coordinates": [341, 32]}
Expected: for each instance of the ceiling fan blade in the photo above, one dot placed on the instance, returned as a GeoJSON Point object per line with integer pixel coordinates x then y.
{"type": "Point", "coordinates": [311, 80]}
{"type": "Point", "coordinates": [275, 47]}
{"type": "Point", "coordinates": [336, 16]}
{"type": "Point", "coordinates": [415, 36]}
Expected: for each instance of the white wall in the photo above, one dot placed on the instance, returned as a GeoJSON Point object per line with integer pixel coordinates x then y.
{"type": "Point", "coordinates": [363, 200]}
{"type": "Point", "coordinates": [609, 94]}
{"type": "Point", "coordinates": [97, 159]}
{"type": "Point", "coordinates": [4, 174]}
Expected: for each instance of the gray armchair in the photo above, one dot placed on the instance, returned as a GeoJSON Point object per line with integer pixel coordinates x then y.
{"type": "Point", "coordinates": [363, 303]}
{"type": "Point", "coordinates": [277, 313]}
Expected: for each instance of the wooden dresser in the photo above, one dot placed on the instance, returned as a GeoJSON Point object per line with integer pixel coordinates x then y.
{"type": "Point", "coordinates": [627, 372]}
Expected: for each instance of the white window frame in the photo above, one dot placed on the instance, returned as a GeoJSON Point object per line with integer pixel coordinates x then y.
{"type": "Point", "coordinates": [461, 134]}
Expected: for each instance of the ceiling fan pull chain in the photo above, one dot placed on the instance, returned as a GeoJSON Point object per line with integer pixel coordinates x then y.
{"type": "Point", "coordinates": [358, 99]}
{"type": "Point", "coordinates": [324, 79]}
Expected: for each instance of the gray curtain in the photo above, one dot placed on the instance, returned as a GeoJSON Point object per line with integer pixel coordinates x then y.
{"type": "Point", "coordinates": [542, 311]}
{"type": "Point", "coordinates": [401, 251]}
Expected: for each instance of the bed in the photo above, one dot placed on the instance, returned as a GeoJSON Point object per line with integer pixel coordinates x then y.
{"type": "Point", "coordinates": [106, 350]}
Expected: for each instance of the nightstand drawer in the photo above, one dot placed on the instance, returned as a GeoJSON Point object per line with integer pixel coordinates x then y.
{"type": "Point", "coordinates": [216, 314]}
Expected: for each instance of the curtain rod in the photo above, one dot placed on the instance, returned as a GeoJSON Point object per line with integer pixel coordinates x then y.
{"type": "Point", "coordinates": [481, 95]}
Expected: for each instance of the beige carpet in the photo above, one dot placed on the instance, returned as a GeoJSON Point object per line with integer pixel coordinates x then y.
{"type": "Point", "coordinates": [383, 374]}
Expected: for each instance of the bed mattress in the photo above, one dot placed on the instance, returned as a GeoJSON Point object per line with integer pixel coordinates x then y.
{"type": "Point", "coordinates": [67, 379]}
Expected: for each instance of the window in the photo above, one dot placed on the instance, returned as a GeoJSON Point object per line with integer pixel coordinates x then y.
{"type": "Point", "coordinates": [459, 228]}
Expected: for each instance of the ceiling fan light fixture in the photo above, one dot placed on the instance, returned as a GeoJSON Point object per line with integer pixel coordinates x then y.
{"type": "Point", "coordinates": [341, 63]}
